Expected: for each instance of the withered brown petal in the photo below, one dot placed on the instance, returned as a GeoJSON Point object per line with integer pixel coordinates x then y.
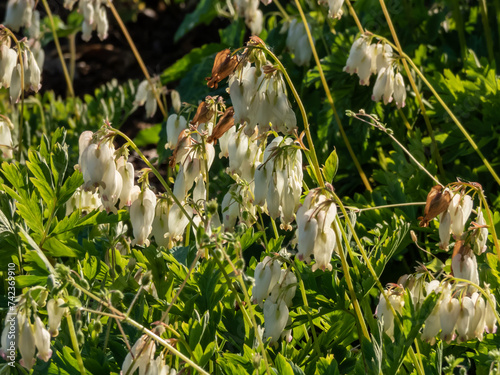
{"type": "Point", "coordinates": [225, 123]}
{"type": "Point", "coordinates": [184, 140]}
{"type": "Point", "coordinates": [436, 203]}
{"type": "Point", "coordinates": [224, 65]}
{"type": "Point", "coordinates": [203, 114]}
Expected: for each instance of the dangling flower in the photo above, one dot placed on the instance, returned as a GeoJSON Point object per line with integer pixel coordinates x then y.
{"type": "Point", "coordinates": [480, 234]}
{"type": "Point", "coordinates": [175, 124]}
{"type": "Point", "coordinates": [6, 137]}
{"type": "Point", "coordinates": [26, 342]}
{"type": "Point", "coordinates": [146, 95]}
{"type": "Point", "coordinates": [42, 340]}
{"type": "Point", "coordinates": [140, 356]}
{"type": "Point", "coordinates": [298, 43]}
{"type": "Point", "coordinates": [384, 85]}
{"type": "Point", "coordinates": [275, 318]}
{"type": "Point", "coordinates": [55, 311]}
{"type": "Point", "coordinates": [384, 312]}
{"type": "Point", "coordinates": [335, 6]}
{"type": "Point", "coordinates": [399, 91]}
{"type": "Point", "coordinates": [126, 171]}
{"type": "Point", "coordinates": [267, 274]}
{"type": "Point", "coordinates": [19, 13]}
{"type": "Point", "coordinates": [8, 61]}
{"type": "Point", "coordinates": [448, 313]}
{"type": "Point", "coordinates": [360, 60]}
{"type": "Point", "coordinates": [142, 213]}
{"type": "Point", "coordinates": [315, 234]}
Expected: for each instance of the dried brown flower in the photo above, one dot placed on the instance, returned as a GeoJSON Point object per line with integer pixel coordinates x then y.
{"type": "Point", "coordinates": [224, 65]}
{"type": "Point", "coordinates": [203, 114]}
{"type": "Point", "coordinates": [225, 123]}
{"type": "Point", "coordinates": [437, 202]}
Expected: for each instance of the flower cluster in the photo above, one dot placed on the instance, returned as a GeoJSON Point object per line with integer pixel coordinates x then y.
{"type": "Point", "coordinates": [6, 145]}
{"type": "Point", "coordinates": [259, 98]}
{"type": "Point", "coordinates": [11, 70]}
{"type": "Point", "coordinates": [458, 314]}
{"type": "Point", "coordinates": [249, 9]}
{"type": "Point", "coordinates": [366, 59]}
{"type": "Point", "coordinates": [19, 14]}
{"type": "Point", "coordinates": [94, 17]}
{"type": "Point", "coordinates": [277, 287]}
{"type": "Point", "coordinates": [278, 181]}
{"type": "Point", "coordinates": [461, 312]}
{"type": "Point", "coordinates": [142, 357]}
{"type": "Point", "coordinates": [32, 337]}
{"type": "Point", "coordinates": [315, 231]}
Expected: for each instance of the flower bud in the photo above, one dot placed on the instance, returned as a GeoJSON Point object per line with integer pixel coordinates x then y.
{"type": "Point", "coordinates": [142, 214]}
{"type": "Point", "coordinates": [55, 311]}
{"type": "Point", "coordinates": [42, 340]}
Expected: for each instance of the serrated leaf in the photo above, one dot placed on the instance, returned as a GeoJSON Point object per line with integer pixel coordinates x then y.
{"type": "Point", "coordinates": [57, 248]}
{"type": "Point", "coordinates": [69, 187]}
{"type": "Point", "coordinates": [282, 365]}
{"type": "Point", "coordinates": [331, 166]}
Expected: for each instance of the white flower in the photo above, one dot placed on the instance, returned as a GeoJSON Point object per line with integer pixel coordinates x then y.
{"type": "Point", "coordinates": [285, 288]}
{"type": "Point", "coordinates": [178, 221]}
{"type": "Point", "coordinates": [360, 60]}
{"type": "Point", "coordinates": [267, 274]}
{"type": "Point", "coordinates": [464, 319]}
{"type": "Point", "coordinates": [298, 43]}
{"type": "Point", "coordinates": [481, 234]}
{"type": "Point", "coordinates": [55, 311]}
{"type": "Point", "coordinates": [459, 209]}
{"type": "Point", "coordinates": [145, 95]}
{"type": "Point", "coordinates": [477, 323]}
{"type": "Point", "coordinates": [381, 57]}
{"type": "Point", "coordinates": [432, 325]}
{"type": "Point", "coordinates": [142, 213]}
{"type": "Point", "coordinates": [175, 124]}
{"type": "Point", "coordinates": [399, 90]}
{"type": "Point", "coordinates": [110, 188]}
{"type": "Point", "coordinates": [16, 85]}
{"type": "Point", "coordinates": [26, 342]}
{"type": "Point", "coordinates": [6, 137]}
{"type": "Point", "coordinates": [335, 6]}
{"type": "Point", "coordinates": [489, 314]}
{"type": "Point", "coordinates": [384, 312]}
{"type": "Point", "coordinates": [143, 353]}
{"type": "Point", "coordinates": [19, 14]}
{"type": "Point", "coordinates": [126, 171]}
{"type": "Point", "coordinates": [464, 266]}
{"type": "Point", "coordinates": [448, 314]}
{"type": "Point", "coordinates": [8, 61]}
{"type": "Point", "coordinates": [444, 230]}
{"type": "Point", "coordinates": [160, 222]}
{"type": "Point", "coordinates": [95, 161]}
{"type": "Point", "coordinates": [275, 319]}
{"type": "Point", "coordinates": [42, 340]}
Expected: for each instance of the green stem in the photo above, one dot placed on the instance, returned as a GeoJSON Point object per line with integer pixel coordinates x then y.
{"type": "Point", "coordinates": [380, 127]}
{"type": "Point", "coordinates": [350, 286]}
{"type": "Point", "coordinates": [355, 16]}
{"type": "Point", "coordinates": [455, 120]}
{"type": "Point", "coordinates": [332, 104]}
{"type": "Point", "coordinates": [59, 50]}
{"type": "Point", "coordinates": [137, 56]}
{"type": "Point", "coordinates": [434, 147]}
{"type": "Point", "coordinates": [139, 326]}
{"type": "Point", "coordinates": [72, 56]}
{"type": "Point", "coordinates": [74, 342]}
{"type": "Point", "coordinates": [157, 174]}
{"type": "Point", "coordinates": [457, 15]}
{"type": "Point", "coordinates": [487, 32]}
{"type": "Point", "coordinates": [497, 12]}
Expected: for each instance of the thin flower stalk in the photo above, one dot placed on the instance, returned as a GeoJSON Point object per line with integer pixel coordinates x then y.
{"type": "Point", "coordinates": [74, 342]}
{"type": "Point", "coordinates": [59, 50]}
{"type": "Point", "coordinates": [137, 56]}
{"type": "Point", "coordinates": [157, 174]}
{"type": "Point", "coordinates": [434, 148]}
{"type": "Point", "coordinates": [483, 8]}
{"type": "Point", "coordinates": [139, 326]}
{"type": "Point", "coordinates": [331, 102]}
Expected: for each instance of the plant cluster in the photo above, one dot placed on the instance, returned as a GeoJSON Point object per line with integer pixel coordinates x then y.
{"type": "Point", "coordinates": [259, 235]}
